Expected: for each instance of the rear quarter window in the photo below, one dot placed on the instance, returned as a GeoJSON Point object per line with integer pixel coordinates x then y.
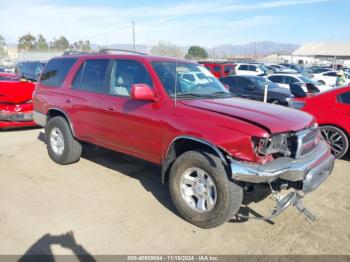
{"type": "Point", "coordinates": [345, 98]}
{"type": "Point", "coordinates": [56, 71]}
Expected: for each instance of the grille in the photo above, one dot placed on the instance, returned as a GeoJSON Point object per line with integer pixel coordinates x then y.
{"type": "Point", "coordinates": [307, 140]}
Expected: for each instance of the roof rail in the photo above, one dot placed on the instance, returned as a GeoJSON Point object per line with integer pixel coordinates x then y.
{"type": "Point", "coordinates": [73, 52]}
{"type": "Point", "coordinates": [109, 50]}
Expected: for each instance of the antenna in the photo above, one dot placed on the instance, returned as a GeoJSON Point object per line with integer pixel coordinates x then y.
{"type": "Point", "coordinates": [175, 82]}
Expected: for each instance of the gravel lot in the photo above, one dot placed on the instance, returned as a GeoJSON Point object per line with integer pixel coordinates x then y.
{"type": "Point", "coordinates": [114, 204]}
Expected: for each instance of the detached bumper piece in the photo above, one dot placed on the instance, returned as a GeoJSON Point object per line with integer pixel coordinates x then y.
{"type": "Point", "coordinates": [16, 116]}
{"type": "Point", "coordinates": [310, 170]}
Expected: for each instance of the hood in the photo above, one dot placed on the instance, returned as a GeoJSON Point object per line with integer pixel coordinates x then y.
{"type": "Point", "coordinates": [16, 92]}
{"type": "Point", "coordinates": [275, 119]}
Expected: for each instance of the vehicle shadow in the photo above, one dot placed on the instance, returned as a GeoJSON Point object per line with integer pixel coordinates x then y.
{"type": "Point", "coordinates": [41, 250]}
{"type": "Point", "coordinates": [149, 176]}
{"type": "Point", "coordinates": [259, 193]}
{"type": "Point", "coordinates": [147, 173]}
{"type": "Point", "coordinates": [19, 129]}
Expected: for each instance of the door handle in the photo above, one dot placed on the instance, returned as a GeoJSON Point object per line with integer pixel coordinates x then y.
{"type": "Point", "coordinates": [110, 108]}
{"type": "Point", "coordinates": [68, 100]}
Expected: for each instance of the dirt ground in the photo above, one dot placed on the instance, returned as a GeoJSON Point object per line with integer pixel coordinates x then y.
{"type": "Point", "coordinates": [109, 203]}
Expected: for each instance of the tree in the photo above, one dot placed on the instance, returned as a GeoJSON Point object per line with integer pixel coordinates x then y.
{"type": "Point", "coordinates": [196, 52]}
{"type": "Point", "coordinates": [3, 52]}
{"type": "Point", "coordinates": [26, 42]}
{"type": "Point", "coordinates": [60, 44]}
{"type": "Point", "coordinates": [163, 48]}
{"type": "Point", "coordinates": [41, 44]}
{"type": "Point", "coordinates": [81, 45]}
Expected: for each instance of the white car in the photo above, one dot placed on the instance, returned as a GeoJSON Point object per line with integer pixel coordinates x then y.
{"type": "Point", "coordinates": [195, 77]}
{"type": "Point", "coordinates": [329, 78]}
{"type": "Point", "coordinates": [284, 80]}
{"type": "Point", "coordinates": [250, 69]}
{"type": "Point", "coordinates": [283, 69]}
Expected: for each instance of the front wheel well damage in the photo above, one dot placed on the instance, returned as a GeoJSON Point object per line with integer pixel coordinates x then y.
{"type": "Point", "coordinates": [182, 145]}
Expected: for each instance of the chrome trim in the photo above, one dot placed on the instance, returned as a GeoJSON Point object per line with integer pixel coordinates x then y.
{"type": "Point", "coordinates": [39, 118]}
{"type": "Point", "coordinates": [318, 162]}
{"type": "Point", "coordinates": [217, 151]}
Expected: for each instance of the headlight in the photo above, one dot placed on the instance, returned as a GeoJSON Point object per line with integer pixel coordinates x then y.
{"type": "Point", "coordinates": [276, 144]}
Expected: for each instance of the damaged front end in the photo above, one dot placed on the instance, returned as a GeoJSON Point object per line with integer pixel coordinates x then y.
{"type": "Point", "coordinates": [300, 161]}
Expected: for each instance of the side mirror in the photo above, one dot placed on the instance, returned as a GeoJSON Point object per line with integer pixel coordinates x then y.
{"type": "Point", "coordinates": [297, 91]}
{"type": "Point", "coordinates": [142, 92]}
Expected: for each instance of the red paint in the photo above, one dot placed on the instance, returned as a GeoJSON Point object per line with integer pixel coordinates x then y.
{"type": "Point", "coordinates": [146, 128]}
{"type": "Point", "coordinates": [219, 69]}
{"type": "Point", "coordinates": [328, 110]}
{"type": "Point", "coordinates": [16, 98]}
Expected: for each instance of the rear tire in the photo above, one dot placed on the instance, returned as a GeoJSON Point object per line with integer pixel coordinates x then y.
{"type": "Point", "coordinates": [226, 200]}
{"type": "Point", "coordinates": [337, 140]}
{"type": "Point", "coordinates": [62, 147]}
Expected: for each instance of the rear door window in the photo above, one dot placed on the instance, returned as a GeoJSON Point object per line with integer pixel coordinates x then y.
{"type": "Point", "coordinates": [56, 71]}
{"type": "Point", "coordinates": [253, 68]}
{"type": "Point", "coordinates": [290, 80]}
{"type": "Point", "coordinates": [92, 76]}
{"type": "Point", "coordinates": [276, 79]}
{"type": "Point", "coordinates": [244, 67]}
{"type": "Point", "coordinates": [334, 74]}
{"type": "Point", "coordinates": [217, 69]}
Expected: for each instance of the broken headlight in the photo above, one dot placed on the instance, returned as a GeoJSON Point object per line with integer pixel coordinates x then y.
{"type": "Point", "coordinates": [275, 144]}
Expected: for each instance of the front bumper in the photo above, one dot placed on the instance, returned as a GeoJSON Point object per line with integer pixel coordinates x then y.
{"type": "Point", "coordinates": [7, 116]}
{"type": "Point", "coordinates": [312, 169]}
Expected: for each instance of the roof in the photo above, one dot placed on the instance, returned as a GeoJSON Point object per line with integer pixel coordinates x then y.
{"type": "Point", "coordinates": [340, 50]}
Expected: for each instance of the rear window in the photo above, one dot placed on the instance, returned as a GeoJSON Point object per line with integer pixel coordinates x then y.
{"type": "Point", "coordinates": [56, 71]}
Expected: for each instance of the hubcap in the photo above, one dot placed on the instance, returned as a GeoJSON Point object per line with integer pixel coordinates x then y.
{"type": "Point", "coordinates": [335, 140]}
{"type": "Point", "coordinates": [57, 141]}
{"type": "Point", "coordinates": [198, 190]}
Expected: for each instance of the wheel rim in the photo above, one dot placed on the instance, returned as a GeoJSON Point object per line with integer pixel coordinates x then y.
{"type": "Point", "coordinates": [57, 141]}
{"type": "Point", "coordinates": [335, 140]}
{"type": "Point", "coordinates": [198, 190]}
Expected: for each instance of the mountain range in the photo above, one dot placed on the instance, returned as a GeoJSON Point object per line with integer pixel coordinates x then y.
{"type": "Point", "coordinates": [251, 49]}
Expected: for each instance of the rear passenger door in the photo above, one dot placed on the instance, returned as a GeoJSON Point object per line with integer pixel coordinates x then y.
{"type": "Point", "coordinates": [86, 99]}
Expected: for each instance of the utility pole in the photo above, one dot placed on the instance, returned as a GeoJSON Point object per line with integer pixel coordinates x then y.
{"type": "Point", "coordinates": [133, 36]}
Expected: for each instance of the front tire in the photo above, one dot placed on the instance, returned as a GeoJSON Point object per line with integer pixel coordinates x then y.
{"type": "Point", "coordinates": [337, 140]}
{"type": "Point", "coordinates": [62, 147]}
{"type": "Point", "coordinates": [201, 191]}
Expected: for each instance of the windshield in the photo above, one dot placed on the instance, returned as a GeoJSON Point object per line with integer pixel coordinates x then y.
{"type": "Point", "coordinates": [189, 81]}
{"type": "Point", "coordinates": [308, 80]}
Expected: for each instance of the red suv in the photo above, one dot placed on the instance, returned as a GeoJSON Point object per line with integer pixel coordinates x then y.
{"type": "Point", "coordinates": [210, 145]}
{"type": "Point", "coordinates": [219, 69]}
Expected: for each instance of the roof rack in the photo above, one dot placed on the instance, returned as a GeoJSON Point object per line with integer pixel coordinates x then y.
{"type": "Point", "coordinates": [109, 50]}
{"type": "Point", "coordinates": [72, 52]}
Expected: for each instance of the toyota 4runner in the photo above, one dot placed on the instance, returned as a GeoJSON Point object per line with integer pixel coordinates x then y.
{"type": "Point", "coordinates": [211, 146]}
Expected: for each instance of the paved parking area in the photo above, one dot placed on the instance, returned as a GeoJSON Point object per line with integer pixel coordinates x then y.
{"type": "Point", "coordinates": [109, 203]}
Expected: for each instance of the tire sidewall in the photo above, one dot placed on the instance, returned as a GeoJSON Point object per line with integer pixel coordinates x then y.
{"type": "Point", "coordinates": [62, 125]}
{"type": "Point", "coordinates": [224, 207]}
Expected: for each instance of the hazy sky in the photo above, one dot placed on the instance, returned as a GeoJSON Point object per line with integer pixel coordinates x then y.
{"type": "Point", "coordinates": [203, 22]}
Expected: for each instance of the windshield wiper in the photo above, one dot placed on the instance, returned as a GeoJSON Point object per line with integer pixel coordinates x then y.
{"type": "Point", "coordinates": [222, 93]}
{"type": "Point", "coordinates": [184, 95]}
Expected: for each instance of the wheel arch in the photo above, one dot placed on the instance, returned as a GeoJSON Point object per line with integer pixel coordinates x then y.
{"type": "Point", "coordinates": [183, 144]}
{"type": "Point", "coordinates": [53, 112]}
